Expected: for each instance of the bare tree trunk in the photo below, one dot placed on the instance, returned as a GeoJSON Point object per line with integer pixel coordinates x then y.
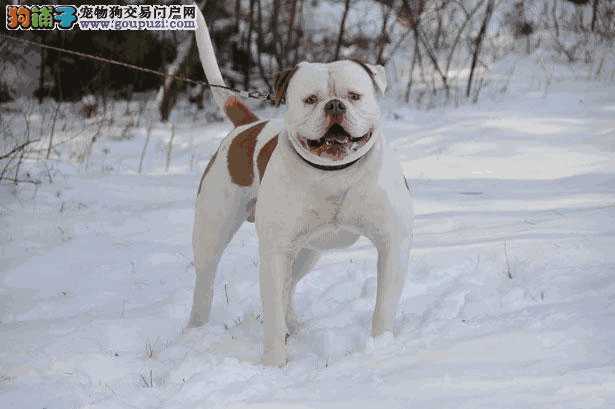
{"type": "Point", "coordinates": [555, 22]}
{"type": "Point", "coordinates": [434, 61]}
{"type": "Point", "coordinates": [248, 48]}
{"type": "Point", "coordinates": [275, 13]}
{"type": "Point", "coordinates": [237, 15]}
{"type": "Point", "coordinates": [53, 128]}
{"type": "Point", "coordinates": [41, 77]}
{"type": "Point", "coordinates": [170, 148]}
{"type": "Point", "coordinates": [580, 18]}
{"type": "Point", "coordinates": [90, 147]}
{"type": "Point", "coordinates": [411, 74]}
{"type": "Point", "coordinates": [382, 41]}
{"type": "Point", "coordinates": [147, 136]}
{"type": "Point", "coordinates": [594, 14]}
{"type": "Point", "coordinates": [289, 35]}
{"type": "Point", "coordinates": [340, 37]}
{"type": "Point", "coordinates": [298, 34]}
{"type": "Point", "coordinates": [167, 94]}
{"type": "Point", "coordinates": [260, 43]}
{"type": "Point", "coordinates": [479, 41]}
{"type": "Point", "coordinates": [419, 59]}
{"type": "Point", "coordinates": [469, 16]}
{"type": "Point", "coordinates": [436, 41]}
{"type": "Point", "coordinates": [18, 167]}
{"type": "Point", "coordinates": [199, 98]}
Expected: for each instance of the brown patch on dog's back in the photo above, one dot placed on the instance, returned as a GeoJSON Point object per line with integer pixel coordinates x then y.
{"type": "Point", "coordinates": [209, 165]}
{"type": "Point", "coordinates": [241, 155]}
{"type": "Point", "coordinates": [238, 112]}
{"type": "Point", "coordinates": [265, 154]}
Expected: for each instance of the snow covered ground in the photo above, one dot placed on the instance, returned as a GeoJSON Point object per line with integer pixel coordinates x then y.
{"type": "Point", "coordinates": [509, 302]}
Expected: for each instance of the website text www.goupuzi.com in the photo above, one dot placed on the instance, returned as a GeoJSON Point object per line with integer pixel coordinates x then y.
{"type": "Point", "coordinates": [100, 17]}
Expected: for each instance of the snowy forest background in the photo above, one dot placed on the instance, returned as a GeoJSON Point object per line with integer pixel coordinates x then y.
{"type": "Point", "coordinates": [502, 114]}
{"type": "Point", "coordinates": [436, 53]}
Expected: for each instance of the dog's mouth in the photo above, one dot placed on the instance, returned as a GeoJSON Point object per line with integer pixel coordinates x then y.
{"type": "Point", "coordinates": [336, 143]}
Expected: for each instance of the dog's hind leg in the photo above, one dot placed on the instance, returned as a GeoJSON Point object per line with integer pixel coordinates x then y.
{"type": "Point", "coordinates": [304, 262]}
{"type": "Point", "coordinates": [220, 211]}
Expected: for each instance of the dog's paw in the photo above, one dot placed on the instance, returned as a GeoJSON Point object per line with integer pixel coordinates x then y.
{"type": "Point", "coordinates": [195, 324]}
{"type": "Point", "coordinates": [275, 357]}
{"type": "Point", "coordinates": [196, 321]}
{"type": "Point", "coordinates": [292, 322]}
{"type": "Point", "coordinates": [381, 341]}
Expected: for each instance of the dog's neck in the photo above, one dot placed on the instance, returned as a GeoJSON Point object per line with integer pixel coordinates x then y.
{"type": "Point", "coordinates": [328, 167]}
{"type": "Point", "coordinates": [332, 166]}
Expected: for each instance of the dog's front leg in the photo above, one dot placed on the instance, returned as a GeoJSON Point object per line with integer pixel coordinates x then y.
{"type": "Point", "coordinates": [275, 276]}
{"type": "Point", "coordinates": [393, 253]}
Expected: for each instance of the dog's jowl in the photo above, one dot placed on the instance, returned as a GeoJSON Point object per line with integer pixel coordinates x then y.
{"type": "Point", "coordinates": [316, 180]}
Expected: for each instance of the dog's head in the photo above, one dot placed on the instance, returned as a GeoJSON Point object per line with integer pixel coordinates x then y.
{"type": "Point", "coordinates": [332, 109]}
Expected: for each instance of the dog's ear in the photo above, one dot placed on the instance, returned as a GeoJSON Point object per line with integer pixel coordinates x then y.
{"type": "Point", "coordinates": [280, 85]}
{"type": "Point", "coordinates": [380, 77]}
{"type": "Point", "coordinates": [377, 73]}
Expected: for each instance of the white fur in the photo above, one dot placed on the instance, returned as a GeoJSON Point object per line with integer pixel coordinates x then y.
{"type": "Point", "coordinates": [302, 210]}
{"type": "Point", "coordinates": [208, 60]}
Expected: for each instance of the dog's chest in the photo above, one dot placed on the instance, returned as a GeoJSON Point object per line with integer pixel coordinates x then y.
{"type": "Point", "coordinates": [329, 229]}
{"type": "Point", "coordinates": [331, 237]}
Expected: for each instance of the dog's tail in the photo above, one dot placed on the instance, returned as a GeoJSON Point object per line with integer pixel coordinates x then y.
{"type": "Point", "coordinates": [235, 109]}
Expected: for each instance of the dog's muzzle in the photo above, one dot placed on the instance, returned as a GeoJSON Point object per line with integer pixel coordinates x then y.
{"type": "Point", "coordinates": [335, 144]}
{"type": "Point", "coordinates": [335, 148]}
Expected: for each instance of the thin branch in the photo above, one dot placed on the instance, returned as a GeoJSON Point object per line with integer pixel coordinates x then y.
{"type": "Point", "coordinates": [459, 33]}
{"type": "Point", "coordinates": [434, 60]}
{"type": "Point", "coordinates": [340, 36]}
{"type": "Point", "coordinates": [17, 149]}
{"type": "Point", "coordinates": [35, 182]}
{"type": "Point", "coordinates": [53, 128]}
{"type": "Point", "coordinates": [479, 42]}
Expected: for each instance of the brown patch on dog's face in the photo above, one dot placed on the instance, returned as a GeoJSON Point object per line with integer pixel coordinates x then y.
{"type": "Point", "coordinates": [241, 155]}
{"type": "Point", "coordinates": [264, 155]}
{"type": "Point", "coordinates": [209, 165]}
{"type": "Point", "coordinates": [238, 112]}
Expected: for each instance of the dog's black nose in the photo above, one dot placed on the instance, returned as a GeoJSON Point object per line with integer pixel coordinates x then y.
{"type": "Point", "coordinates": [335, 107]}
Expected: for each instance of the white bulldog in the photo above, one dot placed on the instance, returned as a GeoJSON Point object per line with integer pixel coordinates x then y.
{"type": "Point", "coordinates": [316, 181]}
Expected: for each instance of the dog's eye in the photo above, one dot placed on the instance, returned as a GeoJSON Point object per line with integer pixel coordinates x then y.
{"type": "Point", "coordinates": [354, 96]}
{"type": "Point", "coordinates": [311, 100]}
